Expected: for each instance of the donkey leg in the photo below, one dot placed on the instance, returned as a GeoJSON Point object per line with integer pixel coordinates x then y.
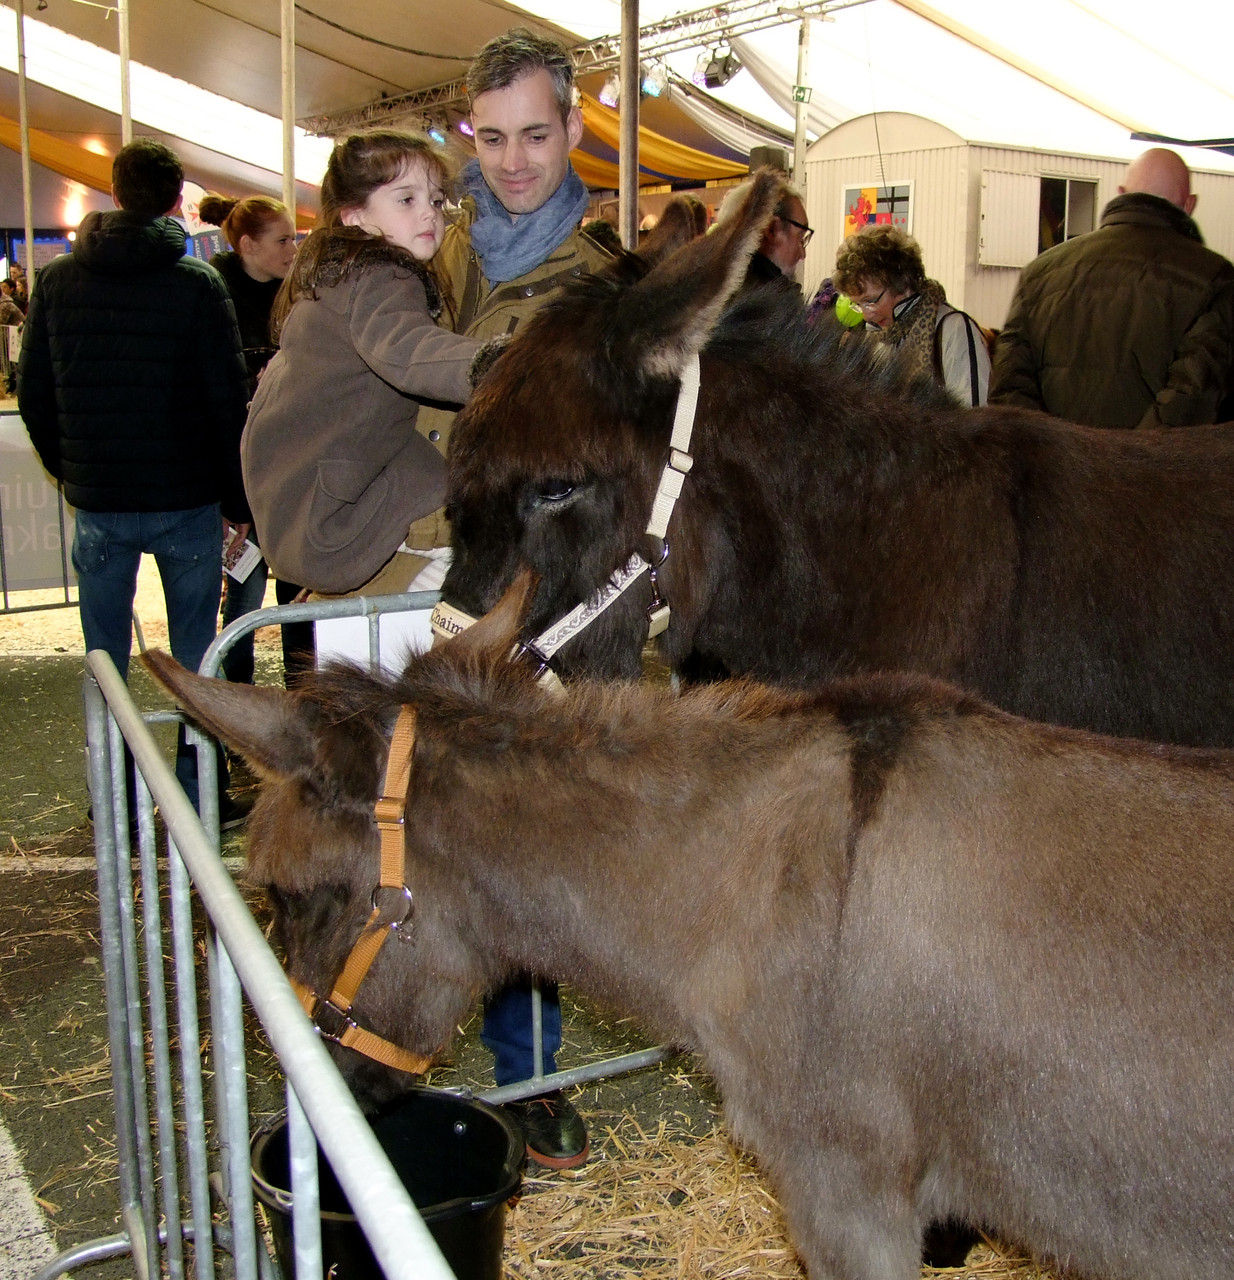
{"type": "Point", "coordinates": [847, 1221]}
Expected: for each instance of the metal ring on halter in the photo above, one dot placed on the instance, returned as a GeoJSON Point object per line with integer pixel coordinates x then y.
{"type": "Point", "coordinates": [528, 650]}
{"type": "Point", "coordinates": [657, 561]}
{"type": "Point", "coordinates": [393, 920]}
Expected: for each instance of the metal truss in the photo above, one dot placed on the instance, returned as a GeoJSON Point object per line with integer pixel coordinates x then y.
{"type": "Point", "coordinates": [715, 25]}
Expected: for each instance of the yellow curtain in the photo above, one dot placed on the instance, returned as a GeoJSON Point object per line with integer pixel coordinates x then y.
{"type": "Point", "coordinates": [598, 173]}
{"type": "Point", "coordinates": [657, 152]}
{"type": "Point", "coordinates": [63, 157]}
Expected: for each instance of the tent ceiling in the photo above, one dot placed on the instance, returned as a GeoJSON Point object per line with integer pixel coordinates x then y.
{"type": "Point", "coordinates": [1119, 64]}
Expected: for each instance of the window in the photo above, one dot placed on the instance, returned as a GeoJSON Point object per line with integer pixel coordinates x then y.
{"type": "Point", "coordinates": [1068, 209]}
{"type": "Point", "coordinates": [1024, 213]}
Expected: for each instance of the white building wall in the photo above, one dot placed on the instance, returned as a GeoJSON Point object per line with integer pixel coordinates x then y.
{"type": "Point", "coordinates": [946, 174]}
{"type": "Point", "coordinates": [940, 192]}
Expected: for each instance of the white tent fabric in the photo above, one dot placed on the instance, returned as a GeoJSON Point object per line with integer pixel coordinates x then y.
{"type": "Point", "coordinates": [740, 135]}
{"type": "Point", "coordinates": [1073, 76]}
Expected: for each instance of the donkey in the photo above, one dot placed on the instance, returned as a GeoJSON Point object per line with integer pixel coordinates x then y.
{"type": "Point", "coordinates": [941, 961]}
{"type": "Point", "coordinates": [840, 517]}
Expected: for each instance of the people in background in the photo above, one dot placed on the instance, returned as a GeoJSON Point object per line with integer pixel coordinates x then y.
{"type": "Point", "coordinates": [1131, 325]}
{"type": "Point", "coordinates": [516, 243]}
{"type": "Point", "coordinates": [10, 312]}
{"type": "Point", "coordinates": [21, 286]}
{"type": "Point", "coordinates": [880, 270]}
{"type": "Point", "coordinates": [334, 467]}
{"type": "Point", "coordinates": [133, 389]}
{"type": "Point", "coordinates": [783, 245]}
{"type": "Point", "coordinates": [263, 244]}
{"type": "Point", "coordinates": [602, 231]}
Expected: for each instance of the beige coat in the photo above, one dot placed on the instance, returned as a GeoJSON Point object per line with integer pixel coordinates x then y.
{"type": "Point", "coordinates": [334, 467]}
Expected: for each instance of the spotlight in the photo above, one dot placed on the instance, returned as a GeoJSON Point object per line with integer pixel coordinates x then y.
{"type": "Point", "coordinates": [721, 69]}
{"type": "Point", "coordinates": [700, 67]}
{"type": "Point", "coordinates": [464, 127]}
{"type": "Point", "coordinates": [654, 80]}
{"type": "Point", "coordinates": [610, 95]}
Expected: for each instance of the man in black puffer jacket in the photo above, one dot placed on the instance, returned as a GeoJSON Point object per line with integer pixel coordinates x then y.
{"type": "Point", "coordinates": [133, 388]}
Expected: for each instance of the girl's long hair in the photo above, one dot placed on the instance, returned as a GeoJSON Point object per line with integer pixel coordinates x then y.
{"type": "Point", "coordinates": [359, 165]}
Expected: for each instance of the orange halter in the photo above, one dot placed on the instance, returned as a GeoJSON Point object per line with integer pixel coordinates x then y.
{"type": "Point", "coordinates": [332, 1016]}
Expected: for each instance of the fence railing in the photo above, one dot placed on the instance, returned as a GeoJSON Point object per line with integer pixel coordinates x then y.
{"type": "Point", "coordinates": [163, 1143]}
{"type": "Point", "coordinates": [166, 1181]}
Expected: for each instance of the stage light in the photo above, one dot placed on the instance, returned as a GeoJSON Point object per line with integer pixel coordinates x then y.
{"type": "Point", "coordinates": [721, 69]}
{"type": "Point", "coordinates": [464, 127]}
{"type": "Point", "coordinates": [610, 95]}
{"type": "Point", "coordinates": [700, 67]}
{"type": "Point", "coordinates": [655, 80]}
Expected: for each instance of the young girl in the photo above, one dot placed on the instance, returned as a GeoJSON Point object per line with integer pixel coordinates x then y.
{"type": "Point", "coordinates": [334, 467]}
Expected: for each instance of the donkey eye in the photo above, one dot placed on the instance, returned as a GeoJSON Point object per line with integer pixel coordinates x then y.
{"type": "Point", "coordinates": [554, 491]}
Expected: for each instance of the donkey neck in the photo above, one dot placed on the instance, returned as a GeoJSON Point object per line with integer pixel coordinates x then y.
{"type": "Point", "coordinates": [622, 842]}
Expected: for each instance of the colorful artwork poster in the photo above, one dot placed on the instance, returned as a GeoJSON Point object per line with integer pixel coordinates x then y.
{"type": "Point", "coordinates": [867, 206]}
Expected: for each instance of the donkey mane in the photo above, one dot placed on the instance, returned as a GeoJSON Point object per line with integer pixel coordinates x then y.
{"type": "Point", "coordinates": [574, 347]}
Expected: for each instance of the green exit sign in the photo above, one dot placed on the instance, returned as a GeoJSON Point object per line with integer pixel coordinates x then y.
{"type": "Point", "coordinates": [801, 93]}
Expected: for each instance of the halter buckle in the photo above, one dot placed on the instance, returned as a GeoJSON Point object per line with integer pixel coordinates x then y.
{"type": "Point", "coordinates": [338, 1019]}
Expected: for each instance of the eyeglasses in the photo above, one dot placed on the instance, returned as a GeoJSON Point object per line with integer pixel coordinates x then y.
{"type": "Point", "coordinates": [869, 304]}
{"type": "Point", "coordinates": [807, 232]}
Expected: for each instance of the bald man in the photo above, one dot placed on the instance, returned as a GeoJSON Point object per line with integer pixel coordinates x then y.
{"type": "Point", "coordinates": [1131, 325]}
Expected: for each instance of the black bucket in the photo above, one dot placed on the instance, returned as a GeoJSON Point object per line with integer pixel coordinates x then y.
{"type": "Point", "coordinates": [460, 1160]}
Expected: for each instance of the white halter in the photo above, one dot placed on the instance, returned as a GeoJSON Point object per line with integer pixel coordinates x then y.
{"type": "Point", "coordinates": [448, 621]}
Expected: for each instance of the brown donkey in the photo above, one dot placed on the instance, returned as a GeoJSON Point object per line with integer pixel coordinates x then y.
{"type": "Point", "coordinates": [942, 962]}
{"type": "Point", "coordinates": [838, 517]}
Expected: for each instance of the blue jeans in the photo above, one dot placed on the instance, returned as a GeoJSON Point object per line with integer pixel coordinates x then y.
{"type": "Point", "coordinates": [507, 1031]}
{"type": "Point", "coordinates": [240, 598]}
{"type": "Point", "coordinates": [187, 547]}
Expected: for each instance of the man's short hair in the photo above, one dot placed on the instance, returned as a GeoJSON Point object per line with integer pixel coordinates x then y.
{"type": "Point", "coordinates": [519, 52]}
{"type": "Point", "coordinates": [147, 178]}
{"type": "Point", "coordinates": [788, 197]}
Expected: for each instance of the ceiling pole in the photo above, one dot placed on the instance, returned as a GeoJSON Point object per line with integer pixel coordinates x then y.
{"type": "Point", "coordinates": [126, 98]}
{"type": "Point", "coordinates": [288, 45]}
{"type": "Point", "coordinates": [801, 98]}
{"type": "Point", "coordinates": [27, 196]}
{"type": "Point", "coordinates": [627, 164]}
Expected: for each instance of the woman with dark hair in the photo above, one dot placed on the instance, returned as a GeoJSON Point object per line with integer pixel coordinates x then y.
{"type": "Point", "coordinates": [263, 246]}
{"type": "Point", "coordinates": [880, 269]}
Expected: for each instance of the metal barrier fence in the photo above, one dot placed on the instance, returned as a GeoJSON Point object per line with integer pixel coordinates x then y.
{"type": "Point", "coordinates": [164, 1153]}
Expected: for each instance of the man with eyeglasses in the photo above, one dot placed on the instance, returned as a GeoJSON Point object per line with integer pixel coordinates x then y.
{"type": "Point", "coordinates": [784, 242]}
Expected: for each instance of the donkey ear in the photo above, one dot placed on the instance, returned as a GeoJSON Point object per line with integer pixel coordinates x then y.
{"type": "Point", "coordinates": [496, 634]}
{"type": "Point", "coordinates": [274, 730]}
{"type": "Point", "coordinates": [668, 315]}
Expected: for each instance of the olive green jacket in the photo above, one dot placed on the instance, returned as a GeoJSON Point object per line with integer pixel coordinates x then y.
{"type": "Point", "coordinates": [483, 310]}
{"type": "Point", "coordinates": [1131, 325]}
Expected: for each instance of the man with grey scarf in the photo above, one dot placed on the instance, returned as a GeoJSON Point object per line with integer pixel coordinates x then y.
{"type": "Point", "coordinates": [515, 243]}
